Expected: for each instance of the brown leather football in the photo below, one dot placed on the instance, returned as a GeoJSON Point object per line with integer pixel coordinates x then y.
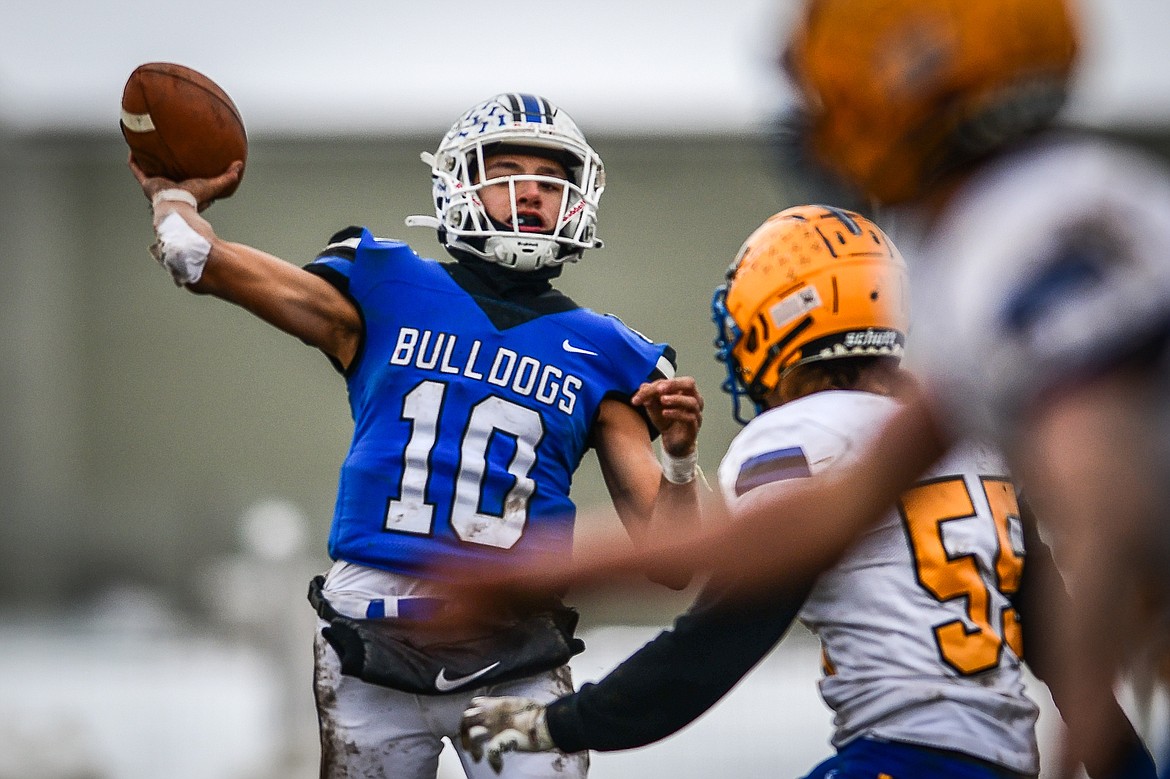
{"type": "Point", "coordinates": [180, 124]}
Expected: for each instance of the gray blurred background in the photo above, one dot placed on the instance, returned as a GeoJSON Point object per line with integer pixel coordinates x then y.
{"type": "Point", "coordinates": [169, 463]}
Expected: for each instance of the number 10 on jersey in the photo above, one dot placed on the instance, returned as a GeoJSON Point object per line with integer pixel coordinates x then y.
{"type": "Point", "coordinates": [411, 513]}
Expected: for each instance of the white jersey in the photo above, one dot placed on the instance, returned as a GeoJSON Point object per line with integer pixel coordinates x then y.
{"type": "Point", "coordinates": [1050, 261]}
{"type": "Point", "coordinates": [921, 644]}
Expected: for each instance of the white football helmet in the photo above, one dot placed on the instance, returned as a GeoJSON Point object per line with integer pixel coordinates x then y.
{"type": "Point", "coordinates": [525, 122]}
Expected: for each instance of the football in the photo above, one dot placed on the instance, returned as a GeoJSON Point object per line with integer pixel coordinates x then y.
{"type": "Point", "coordinates": [180, 124]}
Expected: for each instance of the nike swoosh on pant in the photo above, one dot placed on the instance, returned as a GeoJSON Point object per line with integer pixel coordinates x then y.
{"type": "Point", "coordinates": [443, 684]}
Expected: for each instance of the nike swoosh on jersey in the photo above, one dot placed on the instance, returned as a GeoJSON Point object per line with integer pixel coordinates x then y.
{"type": "Point", "coordinates": [568, 347]}
{"type": "Point", "coordinates": [443, 684]}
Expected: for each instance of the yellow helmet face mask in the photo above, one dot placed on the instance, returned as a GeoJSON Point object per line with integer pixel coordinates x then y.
{"type": "Point", "coordinates": [811, 283]}
{"type": "Point", "coordinates": [902, 91]}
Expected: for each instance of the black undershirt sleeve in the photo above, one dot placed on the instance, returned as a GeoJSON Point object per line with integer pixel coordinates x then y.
{"type": "Point", "coordinates": [677, 676]}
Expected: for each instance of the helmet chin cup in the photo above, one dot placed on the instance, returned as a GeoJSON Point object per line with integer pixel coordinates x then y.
{"type": "Point", "coordinates": [515, 121]}
{"type": "Point", "coordinates": [522, 253]}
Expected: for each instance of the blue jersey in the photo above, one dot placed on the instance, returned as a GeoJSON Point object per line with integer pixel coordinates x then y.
{"type": "Point", "coordinates": [469, 418]}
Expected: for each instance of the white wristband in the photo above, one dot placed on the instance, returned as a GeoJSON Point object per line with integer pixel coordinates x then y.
{"type": "Point", "coordinates": [680, 470]}
{"type": "Point", "coordinates": [174, 195]}
{"type": "Point", "coordinates": [180, 249]}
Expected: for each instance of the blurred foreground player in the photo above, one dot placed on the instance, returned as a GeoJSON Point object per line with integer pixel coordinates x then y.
{"type": "Point", "coordinates": [476, 389]}
{"type": "Point", "coordinates": [1043, 281]}
{"type": "Point", "coordinates": [919, 621]}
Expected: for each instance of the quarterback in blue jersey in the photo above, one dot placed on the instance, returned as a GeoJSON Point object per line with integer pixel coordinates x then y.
{"type": "Point", "coordinates": [475, 388]}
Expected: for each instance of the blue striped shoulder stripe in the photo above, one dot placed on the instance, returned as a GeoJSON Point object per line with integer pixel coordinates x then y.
{"type": "Point", "coordinates": [343, 244]}
{"type": "Point", "coordinates": [780, 465]}
{"type": "Point", "coordinates": [342, 247]}
{"type": "Point", "coordinates": [666, 365]}
{"type": "Point", "coordinates": [529, 108]}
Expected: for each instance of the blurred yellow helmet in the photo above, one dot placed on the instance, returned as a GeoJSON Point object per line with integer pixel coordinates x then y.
{"type": "Point", "coordinates": [811, 283]}
{"type": "Point", "coordinates": [902, 91]}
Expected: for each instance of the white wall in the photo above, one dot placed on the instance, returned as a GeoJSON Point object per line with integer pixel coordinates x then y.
{"type": "Point", "coordinates": [661, 66]}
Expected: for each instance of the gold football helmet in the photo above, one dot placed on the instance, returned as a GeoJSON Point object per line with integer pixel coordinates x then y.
{"type": "Point", "coordinates": [811, 283]}
{"type": "Point", "coordinates": [902, 91]}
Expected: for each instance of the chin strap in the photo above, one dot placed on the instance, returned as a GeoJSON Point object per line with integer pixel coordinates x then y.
{"type": "Point", "coordinates": [516, 252]}
{"type": "Point", "coordinates": [522, 253]}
